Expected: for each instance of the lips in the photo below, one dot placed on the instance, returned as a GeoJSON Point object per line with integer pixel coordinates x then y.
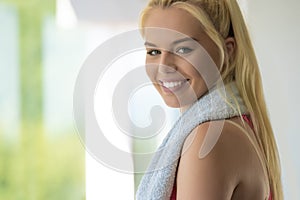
{"type": "Point", "coordinates": [173, 85]}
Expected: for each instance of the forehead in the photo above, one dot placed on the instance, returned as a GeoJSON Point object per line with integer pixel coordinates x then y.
{"type": "Point", "coordinates": [176, 21]}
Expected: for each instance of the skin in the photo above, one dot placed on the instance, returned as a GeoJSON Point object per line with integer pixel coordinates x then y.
{"type": "Point", "coordinates": [227, 171]}
{"type": "Point", "coordinates": [196, 60]}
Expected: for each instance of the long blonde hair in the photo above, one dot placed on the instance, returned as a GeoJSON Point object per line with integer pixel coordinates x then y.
{"type": "Point", "coordinates": [221, 19]}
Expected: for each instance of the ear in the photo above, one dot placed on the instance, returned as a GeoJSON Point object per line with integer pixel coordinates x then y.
{"type": "Point", "coordinates": [230, 45]}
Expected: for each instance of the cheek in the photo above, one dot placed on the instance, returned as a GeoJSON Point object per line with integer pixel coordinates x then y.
{"type": "Point", "coordinates": [151, 71]}
{"type": "Point", "coordinates": [205, 67]}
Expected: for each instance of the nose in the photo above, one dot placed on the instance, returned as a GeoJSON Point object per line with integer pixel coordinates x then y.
{"type": "Point", "coordinates": [167, 62]}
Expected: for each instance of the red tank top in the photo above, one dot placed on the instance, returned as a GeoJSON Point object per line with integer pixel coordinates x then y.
{"type": "Point", "coordinates": [249, 122]}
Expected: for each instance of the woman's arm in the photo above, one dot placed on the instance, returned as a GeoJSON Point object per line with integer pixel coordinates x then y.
{"type": "Point", "coordinates": [215, 176]}
{"type": "Point", "coordinates": [231, 170]}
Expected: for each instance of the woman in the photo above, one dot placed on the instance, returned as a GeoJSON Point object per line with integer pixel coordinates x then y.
{"type": "Point", "coordinates": [243, 162]}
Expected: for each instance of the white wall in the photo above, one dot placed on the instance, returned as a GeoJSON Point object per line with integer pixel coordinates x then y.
{"type": "Point", "coordinates": [274, 25]}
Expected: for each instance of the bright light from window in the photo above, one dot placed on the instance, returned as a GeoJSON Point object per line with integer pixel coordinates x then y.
{"type": "Point", "coordinates": [65, 15]}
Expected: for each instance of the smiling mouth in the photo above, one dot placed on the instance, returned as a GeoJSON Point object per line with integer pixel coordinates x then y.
{"type": "Point", "coordinates": [173, 85]}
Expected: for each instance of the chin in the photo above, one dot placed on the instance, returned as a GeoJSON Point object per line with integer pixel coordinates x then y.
{"type": "Point", "coordinates": [175, 103]}
{"type": "Point", "coordinates": [171, 102]}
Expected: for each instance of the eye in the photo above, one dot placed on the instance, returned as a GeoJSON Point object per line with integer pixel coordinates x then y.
{"type": "Point", "coordinates": [184, 50]}
{"type": "Point", "coordinates": [153, 52]}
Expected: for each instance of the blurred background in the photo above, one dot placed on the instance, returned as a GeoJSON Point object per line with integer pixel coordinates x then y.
{"type": "Point", "coordinates": [43, 44]}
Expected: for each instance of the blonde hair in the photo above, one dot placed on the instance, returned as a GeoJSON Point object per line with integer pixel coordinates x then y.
{"type": "Point", "coordinates": [221, 19]}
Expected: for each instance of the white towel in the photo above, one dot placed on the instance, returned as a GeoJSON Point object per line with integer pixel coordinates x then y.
{"type": "Point", "coordinates": [220, 103]}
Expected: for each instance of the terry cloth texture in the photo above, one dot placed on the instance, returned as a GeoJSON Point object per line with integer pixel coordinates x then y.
{"type": "Point", "coordinates": [219, 103]}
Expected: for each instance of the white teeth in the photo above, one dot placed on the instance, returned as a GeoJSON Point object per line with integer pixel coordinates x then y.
{"type": "Point", "coordinates": [172, 84]}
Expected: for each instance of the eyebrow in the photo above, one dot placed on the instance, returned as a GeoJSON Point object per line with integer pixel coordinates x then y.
{"type": "Point", "coordinates": [175, 42]}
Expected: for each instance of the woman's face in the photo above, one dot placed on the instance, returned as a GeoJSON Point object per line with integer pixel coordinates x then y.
{"type": "Point", "coordinates": [181, 59]}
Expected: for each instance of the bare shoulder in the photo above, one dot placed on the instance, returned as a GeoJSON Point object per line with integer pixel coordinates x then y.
{"type": "Point", "coordinates": [217, 159]}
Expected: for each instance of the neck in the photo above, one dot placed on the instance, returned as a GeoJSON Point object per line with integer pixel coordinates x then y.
{"type": "Point", "coordinates": [184, 108]}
